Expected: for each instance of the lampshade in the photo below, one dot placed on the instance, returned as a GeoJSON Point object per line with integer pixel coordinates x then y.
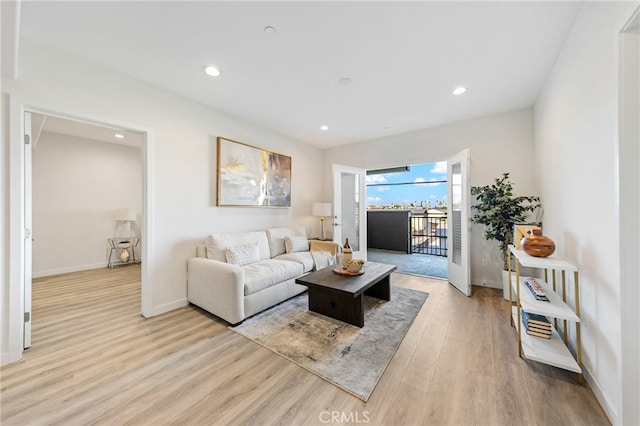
{"type": "Point", "coordinates": [125, 215]}
{"type": "Point", "coordinates": [321, 209]}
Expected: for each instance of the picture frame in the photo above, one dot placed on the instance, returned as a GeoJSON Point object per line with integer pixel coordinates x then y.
{"type": "Point", "coordinates": [521, 230]}
{"type": "Point", "coordinates": [249, 176]}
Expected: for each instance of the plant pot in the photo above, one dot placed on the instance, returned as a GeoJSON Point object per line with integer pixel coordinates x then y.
{"type": "Point", "coordinates": [505, 284]}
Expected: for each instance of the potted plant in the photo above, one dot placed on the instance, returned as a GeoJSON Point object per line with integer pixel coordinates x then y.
{"type": "Point", "coordinates": [498, 209]}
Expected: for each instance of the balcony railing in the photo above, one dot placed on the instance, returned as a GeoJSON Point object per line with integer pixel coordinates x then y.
{"type": "Point", "coordinates": [429, 234]}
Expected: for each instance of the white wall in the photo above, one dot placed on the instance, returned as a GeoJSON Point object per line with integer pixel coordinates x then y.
{"type": "Point", "coordinates": [576, 143]}
{"type": "Point", "coordinates": [183, 146]}
{"type": "Point", "coordinates": [78, 184]}
{"type": "Point", "coordinates": [498, 143]}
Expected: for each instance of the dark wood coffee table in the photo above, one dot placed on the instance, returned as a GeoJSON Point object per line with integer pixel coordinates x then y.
{"type": "Point", "coordinates": [342, 297]}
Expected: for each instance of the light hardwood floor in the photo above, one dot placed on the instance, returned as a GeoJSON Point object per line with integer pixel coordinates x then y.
{"type": "Point", "coordinates": [95, 360]}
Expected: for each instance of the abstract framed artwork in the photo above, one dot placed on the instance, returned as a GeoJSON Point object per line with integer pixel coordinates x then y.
{"type": "Point", "coordinates": [252, 177]}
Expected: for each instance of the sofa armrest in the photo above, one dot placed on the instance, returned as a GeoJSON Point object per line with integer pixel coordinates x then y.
{"type": "Point", "coordinates": [217, 287]}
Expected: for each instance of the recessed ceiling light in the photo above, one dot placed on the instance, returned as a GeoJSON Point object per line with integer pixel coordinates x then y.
{"type": "Point", "coordinates": [324, 127]}
{"type": "Point", "coordinates": [344, 81]}
{"type": "Point", "coordinates": [119, 136]}
{"type": "Point", "coordinates": [270, 31]}
{"type": "Point", "coordinates": [459, 90]}
{"type": "Point", "coordinates": [211, 70]}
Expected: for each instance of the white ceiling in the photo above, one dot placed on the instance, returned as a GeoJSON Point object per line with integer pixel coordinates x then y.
{"type": "Point", "coordinates": [404, 58]}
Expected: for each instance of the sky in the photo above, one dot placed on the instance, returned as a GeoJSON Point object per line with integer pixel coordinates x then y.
{"type": "Point", "coordinates": [404, 195]}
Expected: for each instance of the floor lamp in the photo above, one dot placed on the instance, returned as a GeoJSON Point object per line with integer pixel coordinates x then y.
{"type": "Point", "coordinates": [323, 210]}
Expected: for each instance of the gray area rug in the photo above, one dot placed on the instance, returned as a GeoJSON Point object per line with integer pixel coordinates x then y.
{"type": "Point", "coordinates": [350, 357]}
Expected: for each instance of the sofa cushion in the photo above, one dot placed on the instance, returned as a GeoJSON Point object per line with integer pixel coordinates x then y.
{"type": "Point", "coordinates": [276, 238]}
{"type": "Point", "coordinates": [218, 243]}
{"type": "Point", "coordinates": [296, 244]}
{"type": "Point", "coordinates": [263, 274]}
{"type": "Point", "coordinates": [304, 258]}
{"type": "Point", "coordinates": [243, 254]}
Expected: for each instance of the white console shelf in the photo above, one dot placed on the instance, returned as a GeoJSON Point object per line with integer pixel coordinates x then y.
{"type": "Point", "coordinates": [548, 351]}
{"type": "Point", "coordinates": [554, 308]}
{"type": "Point", "coordinates": [554, 351]}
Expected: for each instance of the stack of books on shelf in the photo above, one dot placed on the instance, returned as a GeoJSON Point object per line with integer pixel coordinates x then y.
{"type": "Point", "coordinates": [536, 325]}
{"type": "Point", "coordinates": [536, 289]}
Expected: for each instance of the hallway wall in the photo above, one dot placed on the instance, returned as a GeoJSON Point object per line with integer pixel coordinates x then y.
{"type": "Point", "coordinates": [78, 184]}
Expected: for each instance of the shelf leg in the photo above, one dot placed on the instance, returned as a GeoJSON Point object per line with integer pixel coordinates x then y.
{"type": "Point", "coordinates": [110, 263]}
{"type": "Point", "coordinates": [553, 278]}
{"type": "Point", "coordinates": [519, 314]}
{"type": "Point", "coordinates": [510, 293]}
{"type": "Point", "coordinates": [578, 336]}
{"type": "Point", "coordinates": [565, 335]}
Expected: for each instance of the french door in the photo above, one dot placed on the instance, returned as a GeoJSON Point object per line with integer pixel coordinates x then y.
{"type": "Point", "coordinates": [350, 209]}
{"type": "Point", "coordinates": [458, 212]}
{"type": "Point", "coordinates": [27, 230]}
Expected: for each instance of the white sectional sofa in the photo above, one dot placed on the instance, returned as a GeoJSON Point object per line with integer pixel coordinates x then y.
{"type": "Point", "coordinates": [236, 275]}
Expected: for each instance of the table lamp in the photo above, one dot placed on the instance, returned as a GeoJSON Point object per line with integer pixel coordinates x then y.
{"type": "Point", "coordinates": [125, 217]}
{"type": "Point", "coordinates": [322, 210]}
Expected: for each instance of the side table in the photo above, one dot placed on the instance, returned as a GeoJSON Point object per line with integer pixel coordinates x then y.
{"type": "Point", "coordinates": [117, 245]}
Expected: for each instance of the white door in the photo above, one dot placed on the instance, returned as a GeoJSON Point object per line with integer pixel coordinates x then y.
{"type": "Point", "coordinates": [27, 229]}
{"type": "Point", "coordinates": [458, 211]}
{"type": "Point", "coordinates": [350, 208]}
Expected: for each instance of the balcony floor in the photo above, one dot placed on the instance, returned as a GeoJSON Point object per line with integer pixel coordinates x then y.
{"type": "Point", "coordinates": [415, 264]}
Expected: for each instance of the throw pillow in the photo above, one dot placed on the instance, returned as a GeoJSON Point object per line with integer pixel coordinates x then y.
{"type": "Point", "coordinates": [243, 254]}
{"type": "Point", "coordinates": [296, 244]}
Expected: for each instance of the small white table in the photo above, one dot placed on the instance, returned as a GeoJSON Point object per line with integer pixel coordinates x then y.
{"type": "Point", "coordinates": [116, 245]}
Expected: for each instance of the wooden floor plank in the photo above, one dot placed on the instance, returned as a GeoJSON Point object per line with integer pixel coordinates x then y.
{"type": "Point", "coordinates": [95, 360]}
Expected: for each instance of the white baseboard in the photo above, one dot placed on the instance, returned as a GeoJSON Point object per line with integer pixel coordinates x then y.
{"type": "Point", "coordinates": [158, 310]}
{"type": "Point", "coordinates": [607, 406]}
{"type": "Point", "coordinates": [4, 358]}
{"type": "Point", "coordinates": [490, 284]}
{"type": "Point", "coordinates": [68, 269]}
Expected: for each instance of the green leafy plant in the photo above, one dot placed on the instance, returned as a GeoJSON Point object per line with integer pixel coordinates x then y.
{"type": "Point", "coordinates": [498, 209]}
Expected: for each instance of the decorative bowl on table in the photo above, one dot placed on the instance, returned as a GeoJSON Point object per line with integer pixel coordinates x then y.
{"type": "Point", "coordinates": [355, 266]}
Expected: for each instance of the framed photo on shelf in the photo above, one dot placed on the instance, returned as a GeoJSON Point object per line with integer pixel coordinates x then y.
{"type": "Point", "coordinates": [249, 176]}
{"type": "Point", "coordinates": [521, 230]}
